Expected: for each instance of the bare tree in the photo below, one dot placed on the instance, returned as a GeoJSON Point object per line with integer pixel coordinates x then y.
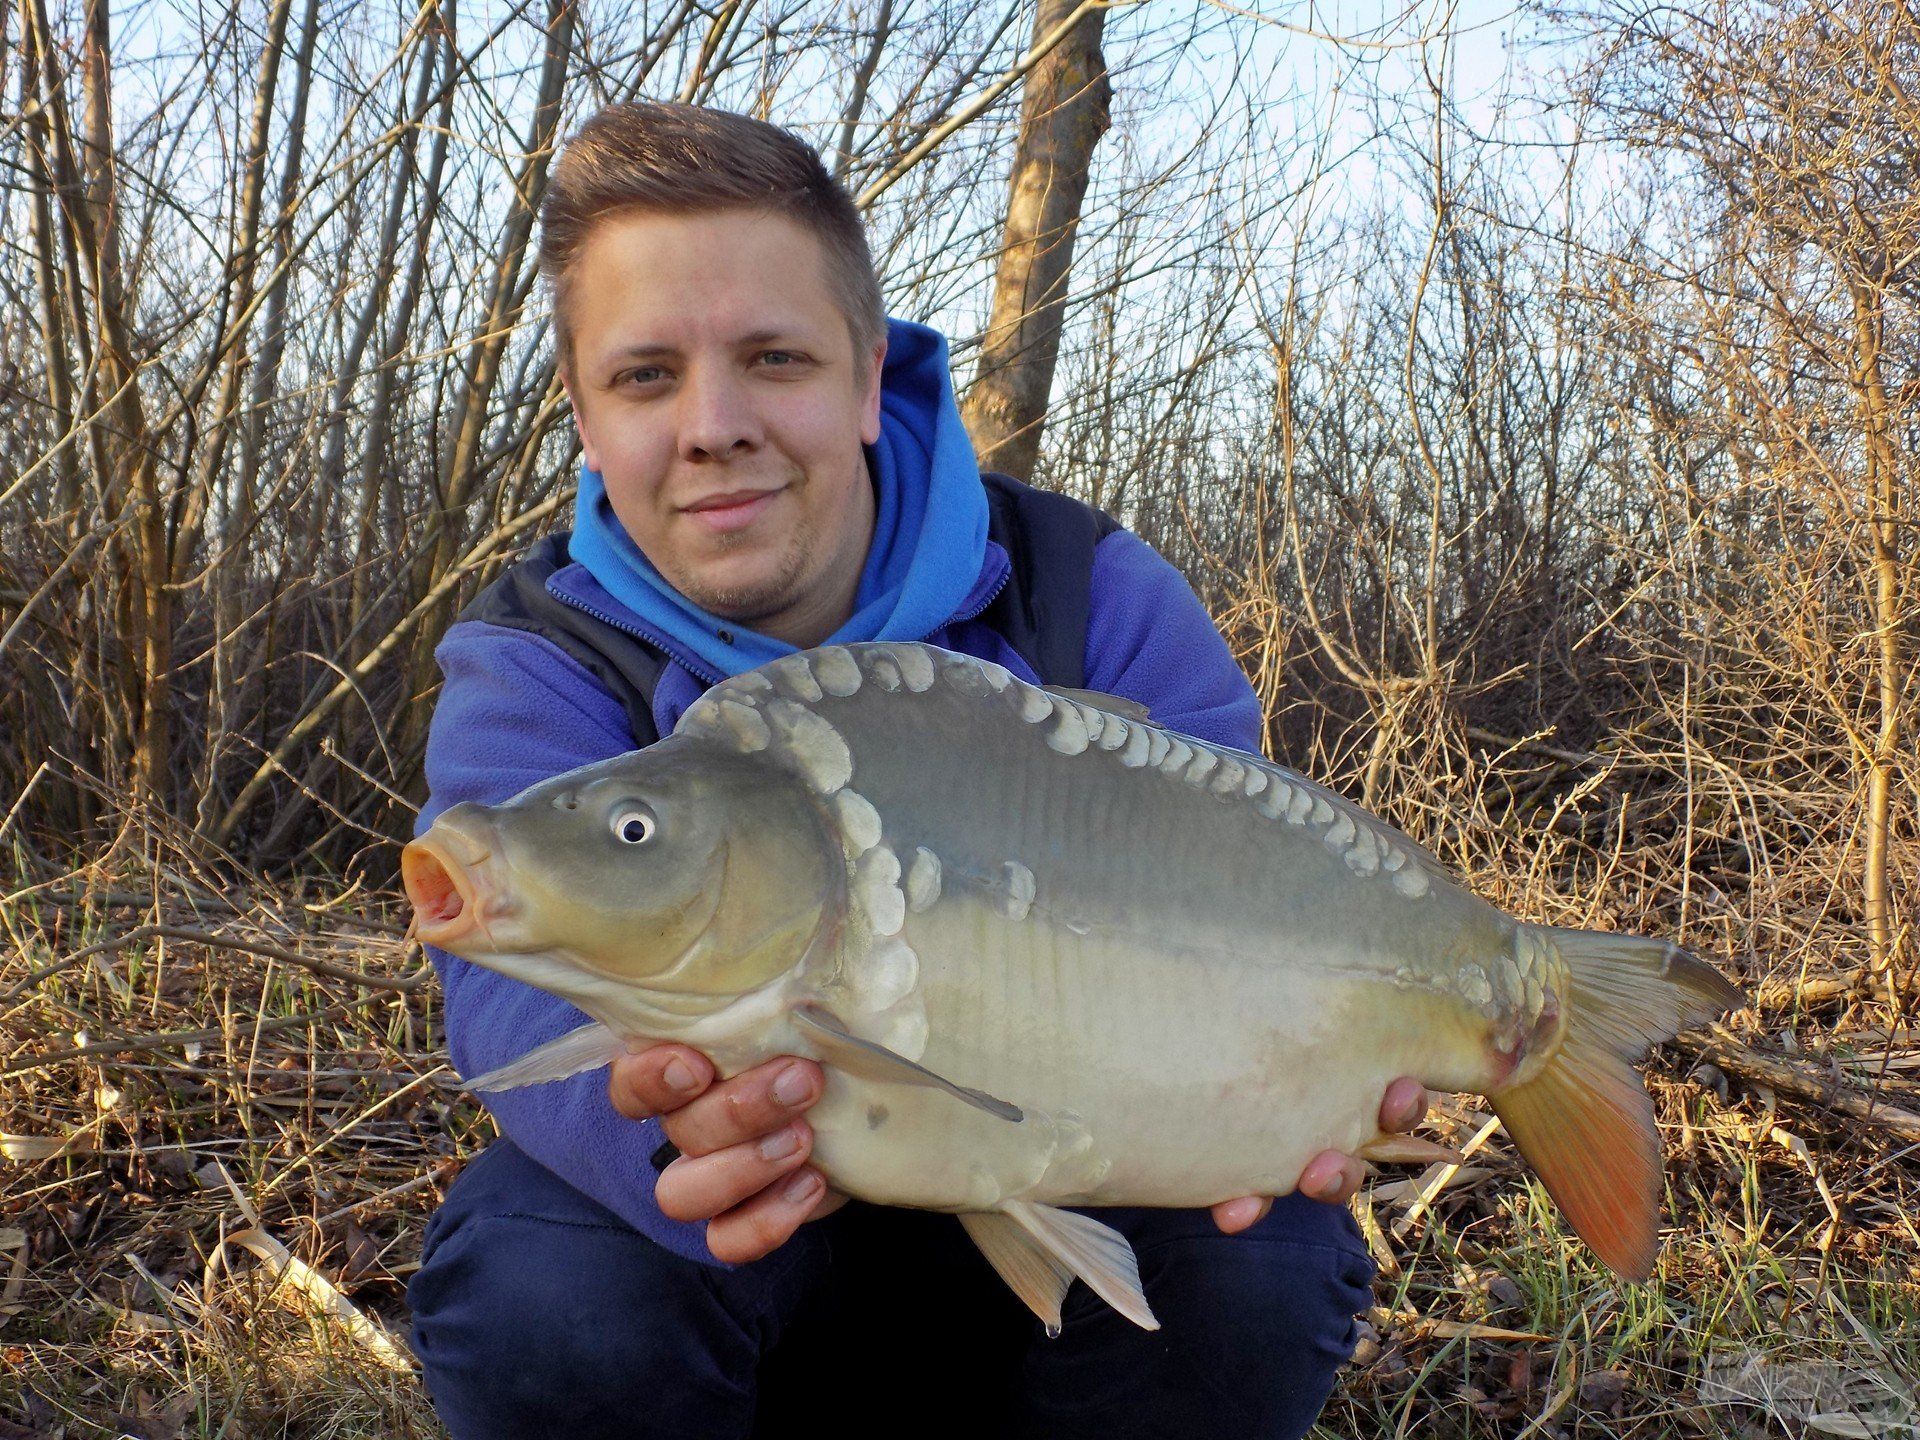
{"type": "Point", "coordinates": [1063, 114]}
{"type": "Point", "coordinates": [1802, 291]}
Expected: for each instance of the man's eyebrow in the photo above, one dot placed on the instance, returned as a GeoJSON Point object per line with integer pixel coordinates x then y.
{"type": "Point", "coordinates": [644, 351]}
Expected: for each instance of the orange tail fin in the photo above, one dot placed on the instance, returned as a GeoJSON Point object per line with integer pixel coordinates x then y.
{"type": "Point", "coordinates": [1585, 1122]}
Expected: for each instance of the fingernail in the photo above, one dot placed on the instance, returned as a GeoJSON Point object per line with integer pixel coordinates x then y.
{"type": "Point", "coordinates": [679, 1076]}
{"type": "Point", "coordinates": [793, 1086]}
{"type": "Point", "coordinates": [802, 1188]}
{"type": "Point", "coordinates": [780, 1144]}
{"type": "Point", "coordinates": [1326, 1188]}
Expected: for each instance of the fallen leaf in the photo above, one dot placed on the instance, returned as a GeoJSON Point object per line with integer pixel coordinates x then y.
{"type": "Point", "coordinates": [1604, 1390]}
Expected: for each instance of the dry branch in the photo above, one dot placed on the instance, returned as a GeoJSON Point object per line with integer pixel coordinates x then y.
{"type": "Point", "coordinates": [1822, 1087]}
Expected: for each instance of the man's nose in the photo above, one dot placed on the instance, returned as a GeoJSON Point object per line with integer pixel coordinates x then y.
{"type": "Point", "coordinates": [717, 419]}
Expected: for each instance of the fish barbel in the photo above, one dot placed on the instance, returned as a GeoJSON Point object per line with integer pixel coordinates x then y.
{"type": "Point", "coordinates": [1050, 954]}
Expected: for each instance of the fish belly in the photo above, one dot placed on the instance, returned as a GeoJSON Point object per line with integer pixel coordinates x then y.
{"type": "Point", "coordinates": [1147, 1076]}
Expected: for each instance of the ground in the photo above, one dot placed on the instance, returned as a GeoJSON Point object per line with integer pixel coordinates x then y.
{"type": "Point", "coordinates": [225, 1118]}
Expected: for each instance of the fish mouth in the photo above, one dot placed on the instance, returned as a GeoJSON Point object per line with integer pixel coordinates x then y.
{"type": "Point", "coordinates": [443, 872]}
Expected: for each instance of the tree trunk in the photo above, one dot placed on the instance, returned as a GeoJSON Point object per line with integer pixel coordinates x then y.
{"type": "Point", "coordinates": [460, 479]}
{"type": "Point", "coordinates": [1062, 117]}
{"type": "Point", "coordinates": [1882, 466]}
{"type": "Point", "coordinates": [132, 479]}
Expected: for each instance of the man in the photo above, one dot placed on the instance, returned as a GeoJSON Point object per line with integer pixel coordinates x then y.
{"type": "Point", "coordinates": [770, 464]}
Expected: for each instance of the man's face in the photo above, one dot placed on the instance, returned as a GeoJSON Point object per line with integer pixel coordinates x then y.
{"type": "Point", "coordinates": [717, 392]}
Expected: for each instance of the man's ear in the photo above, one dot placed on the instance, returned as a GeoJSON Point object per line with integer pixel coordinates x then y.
{"type": "Point", "coordinates": [870, 401]}
{"type": "Point", "coordinates": [579, 421]}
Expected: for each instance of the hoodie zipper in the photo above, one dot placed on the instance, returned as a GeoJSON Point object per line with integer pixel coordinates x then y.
{"type": "Point", "coordinates": [992, 595]}
{"type": "Point", "coordinates": [627, 627]}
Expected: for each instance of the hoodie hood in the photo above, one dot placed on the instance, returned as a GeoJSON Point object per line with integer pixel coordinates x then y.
{"type": "Point", "coordinates": [929, 533]}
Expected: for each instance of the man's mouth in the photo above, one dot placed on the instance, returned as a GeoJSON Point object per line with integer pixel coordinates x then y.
{"type": "Point", "coordinates": [730, 510]}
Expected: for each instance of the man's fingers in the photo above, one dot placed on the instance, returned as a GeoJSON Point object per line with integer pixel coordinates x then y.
{"type": "Point", "coordinates": [659, 1079]}
{"type": "Point", "coordinates": [764, 1223]}
{"type": "Point", "coordinates": [753, 1103]}
{"type": "Point", "coordinates": [700, 1187]}
{"type": "Point", "coordinates": [1332, 1176]}
{"type": "Point", "coordinates": [1404, 1105]}
{"type": "Point", "coordinates": [1233, 1216]}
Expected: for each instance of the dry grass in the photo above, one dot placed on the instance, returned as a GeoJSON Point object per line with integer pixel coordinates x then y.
{"type": "Point", "coordinates": [198, 1094]}
{"type": "Point", "coordinates": [313, 1108]}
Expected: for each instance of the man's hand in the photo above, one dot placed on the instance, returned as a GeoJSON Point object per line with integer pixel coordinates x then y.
{"type": "Point", "coordinates": [1331, 1175]}
{"type": "Point", "coordinates": [743, 1146]}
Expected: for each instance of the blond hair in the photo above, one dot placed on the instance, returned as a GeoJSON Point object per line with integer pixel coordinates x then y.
{"type": "Point", "coordinates": [687, 159]}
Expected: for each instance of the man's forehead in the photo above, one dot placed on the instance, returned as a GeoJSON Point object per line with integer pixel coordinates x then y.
{"type": "Point", "coordinates": [674, 285]}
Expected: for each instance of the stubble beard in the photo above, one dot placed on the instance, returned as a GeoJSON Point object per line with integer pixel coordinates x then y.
{"type": "Point", "coordinates": [750, 602]}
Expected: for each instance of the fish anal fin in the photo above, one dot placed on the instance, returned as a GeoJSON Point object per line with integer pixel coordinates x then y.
{"type": "Point", "coordinates": [1029, 1269]}
{"type": "Point", "coordinates": [1097, 1253]}
{"type": "Point", "coordinates": [587, 1048]}
{"type": "Point", "coordinates": [1408, 1150]}
{"type": "Point", "coordinates": [1586, 1125]}
{"type": "Point", "coordinates": [871, 1060]}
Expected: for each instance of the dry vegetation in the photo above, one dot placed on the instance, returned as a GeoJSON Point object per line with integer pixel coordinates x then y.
{"type": "Point", "coordinates": [1559, 498]}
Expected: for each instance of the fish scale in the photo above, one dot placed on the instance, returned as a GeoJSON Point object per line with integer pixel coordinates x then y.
{"type": "Point", "coordinates": [1049, 954]}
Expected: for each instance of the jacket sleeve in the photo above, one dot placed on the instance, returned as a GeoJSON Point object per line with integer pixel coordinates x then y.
{"type": "Point", "coordinates": [515, 710]}
{"type": "Point", "coordinates": [1150, 639]}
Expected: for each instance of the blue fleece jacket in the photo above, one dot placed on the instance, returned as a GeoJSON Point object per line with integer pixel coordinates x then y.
{"type": "Point", "coordinates": [515, 709]}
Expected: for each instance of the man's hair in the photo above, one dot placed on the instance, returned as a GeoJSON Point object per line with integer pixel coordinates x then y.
{"type": "Point", "coordinates": [686, 159]}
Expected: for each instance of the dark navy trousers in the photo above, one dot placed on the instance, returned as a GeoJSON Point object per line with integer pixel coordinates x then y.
{"type": "Point", "coordinates": [537, 1312]}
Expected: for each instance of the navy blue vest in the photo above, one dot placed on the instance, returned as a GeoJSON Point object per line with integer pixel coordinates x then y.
{"type": "Point", "coordinates": [1042, 611]}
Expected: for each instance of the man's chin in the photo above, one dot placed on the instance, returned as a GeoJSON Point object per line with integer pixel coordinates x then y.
{"type": "Point", "coordinates": [746, 600]}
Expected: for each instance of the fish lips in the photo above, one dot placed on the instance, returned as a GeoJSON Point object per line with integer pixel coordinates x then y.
{"type": "Point", "coordinates": [448, 876]}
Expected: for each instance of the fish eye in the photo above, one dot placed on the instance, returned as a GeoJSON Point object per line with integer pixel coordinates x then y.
{"type": "Point", "coordinates": [632, 825]}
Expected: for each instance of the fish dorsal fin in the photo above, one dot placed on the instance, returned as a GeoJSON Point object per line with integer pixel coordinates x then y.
{"type": "Point", "coordinates": [1027, 1266]}
{"type": "Point", "coordinates": [1098, 1254]}
{"type": "Point", "coordinates": [1116, 704]}
{"type": "Point", "coordinates": [587, 1048]}
{"type": "Point", "coordinates": [872, 1061]}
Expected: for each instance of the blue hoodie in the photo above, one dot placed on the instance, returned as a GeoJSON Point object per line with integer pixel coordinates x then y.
{"type": "Point", "coordinates": [515, 709]}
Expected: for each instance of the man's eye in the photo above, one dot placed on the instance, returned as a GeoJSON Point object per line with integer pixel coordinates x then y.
{"type": "Point", "coordinates": [780, 359]}
{"type": "Point", "coordinates": [645, 375]}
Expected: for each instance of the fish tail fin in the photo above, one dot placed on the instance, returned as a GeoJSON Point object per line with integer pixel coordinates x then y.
{"type": "Point", "coordinates": [1585, 1121]}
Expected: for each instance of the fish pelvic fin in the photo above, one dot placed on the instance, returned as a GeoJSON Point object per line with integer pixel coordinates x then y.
{"type": "Point", "coordinates": [1584, 1122]}
{"type": "Point", "coordinates": [1409, 1150]}
{"type": "Point", "coordinates": [586, 1048]}
{"type": "Point", "coordinates": [1096, 1253]}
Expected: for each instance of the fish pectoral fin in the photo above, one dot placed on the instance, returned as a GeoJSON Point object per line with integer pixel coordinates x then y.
{"type": "Point", "coordinates": [586, 1048]}
{"type": "Point", "coordinates": [1098, 1254]}
{"type": "Point", "coordinates": [1027, 1266]}
{"type": "Point", "coordinates": [1099, 699]}
{"type": "Point", "coordinates": [871, 1061]}
{"type": "Point", "coordinates": [1408, 1150]}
